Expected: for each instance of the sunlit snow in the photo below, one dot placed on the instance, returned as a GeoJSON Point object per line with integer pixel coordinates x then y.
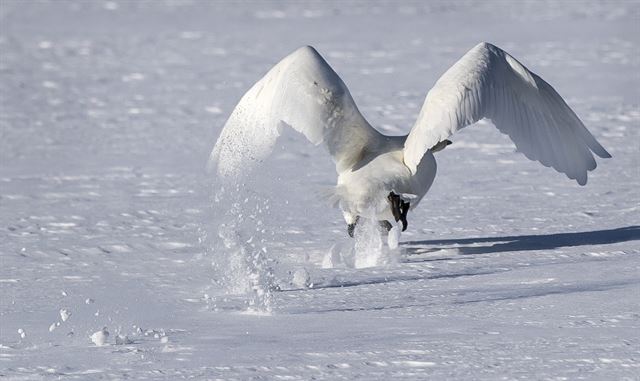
{"type": "Point", "coordinates": [122, 258]}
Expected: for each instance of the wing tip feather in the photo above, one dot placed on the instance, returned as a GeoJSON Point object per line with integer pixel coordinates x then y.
{"type": "Point", "coordinates": [604, 154]}
{"type": "Point", "coordinates": [582, 181]}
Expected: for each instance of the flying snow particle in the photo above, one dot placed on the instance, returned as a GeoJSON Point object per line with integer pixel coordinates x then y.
{"type": "Point", "coordinates": [213, 110]}
{"type": "Point", "coordinates": [65, 314]}
{"type": "Point", "coordinates": [99, 338]}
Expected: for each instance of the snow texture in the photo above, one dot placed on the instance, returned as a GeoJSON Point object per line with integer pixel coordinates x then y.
{"type": "Point", "coordinates": [109, 222]}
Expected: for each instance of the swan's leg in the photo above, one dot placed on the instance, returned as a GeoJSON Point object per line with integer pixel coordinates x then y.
{"type": "Point", "coordinates": [394, 204]}
{"type": "Point", "coordinates": [404, 209]}
{"type": "Point", "coordinates": [399, 209]}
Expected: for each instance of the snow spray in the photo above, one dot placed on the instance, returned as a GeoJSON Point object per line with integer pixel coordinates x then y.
{"type": "Point", "coordinates": [369, 246]}
{"type": "Point", "coordinates": [239, 249]}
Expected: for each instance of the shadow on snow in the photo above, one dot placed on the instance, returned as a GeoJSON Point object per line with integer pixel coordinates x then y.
{"type": "Point", "coordinates": [468, 246]}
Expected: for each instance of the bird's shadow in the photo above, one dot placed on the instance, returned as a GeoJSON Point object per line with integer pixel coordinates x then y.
{"type": "Point", "coordinates": [472, 246]}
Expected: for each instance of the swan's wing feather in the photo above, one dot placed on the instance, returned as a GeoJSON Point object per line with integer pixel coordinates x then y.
{"type": "Point", "coordinates": [489, 83]}
{"type": "Point", "coordinates": [302, 92]}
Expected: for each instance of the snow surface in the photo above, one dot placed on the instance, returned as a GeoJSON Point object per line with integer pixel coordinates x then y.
{"type": "Point", "coordinates": [109, 109]}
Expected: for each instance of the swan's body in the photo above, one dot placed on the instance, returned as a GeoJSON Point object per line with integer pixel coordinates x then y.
{"type": "Point", "coordinates": [303, 92]}
{"type": "Point", "coordinates": [365, 190]}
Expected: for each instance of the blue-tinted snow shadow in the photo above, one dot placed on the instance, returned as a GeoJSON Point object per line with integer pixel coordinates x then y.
{"type": "Point", "coordinates": [515, 293]}
{"type": "Point", "coordinates": [470, 246]}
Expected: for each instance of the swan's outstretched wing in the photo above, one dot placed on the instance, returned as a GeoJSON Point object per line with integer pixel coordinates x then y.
{"type": "Point", "coordinates": [489, 83]}
{"type": "Point", "coordinates": [303, 92]}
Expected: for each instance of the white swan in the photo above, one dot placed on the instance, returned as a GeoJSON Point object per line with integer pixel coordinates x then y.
{"type": "Point", "coordinates": [390, 174]}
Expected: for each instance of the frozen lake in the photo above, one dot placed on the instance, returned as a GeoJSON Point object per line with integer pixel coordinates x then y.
{"type": "Point", "coordinates": [108, 112]}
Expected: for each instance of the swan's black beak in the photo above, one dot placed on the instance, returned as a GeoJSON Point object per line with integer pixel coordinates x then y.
{"type": "Point", "coordinates": [399, 209]}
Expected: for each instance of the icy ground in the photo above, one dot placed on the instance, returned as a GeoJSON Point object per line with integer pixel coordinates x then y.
{"type": "Point", "coordinates": [108, 111]}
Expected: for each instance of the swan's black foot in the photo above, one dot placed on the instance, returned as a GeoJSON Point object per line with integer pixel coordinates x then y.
{"type": "Point", "coordinates": [399, 209]}
{"type": "Point", "coordinates": [351, 228]}
{"type": "Point", "coordinates": [385, 225]}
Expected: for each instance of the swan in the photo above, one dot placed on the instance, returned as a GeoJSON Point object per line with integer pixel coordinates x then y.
{"type": "Point", "coordinates": [384, 177]}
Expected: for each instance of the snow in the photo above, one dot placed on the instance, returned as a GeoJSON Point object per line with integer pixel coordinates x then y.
{"type": "Point", "coordinates": [99, 338]}
{"type": "Point", "coordinates": [507, 270]}
{"type": "Point", "coordinates": [301, 278]}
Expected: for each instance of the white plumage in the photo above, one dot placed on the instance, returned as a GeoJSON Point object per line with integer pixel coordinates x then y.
{"type": "Point", "coordinates": [489, 83]}
{"type": "Point", "coordinates": [303, 92]}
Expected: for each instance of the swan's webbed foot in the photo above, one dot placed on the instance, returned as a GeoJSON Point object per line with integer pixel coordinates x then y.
{"type": "Point", "coordinates": [399, 209]}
